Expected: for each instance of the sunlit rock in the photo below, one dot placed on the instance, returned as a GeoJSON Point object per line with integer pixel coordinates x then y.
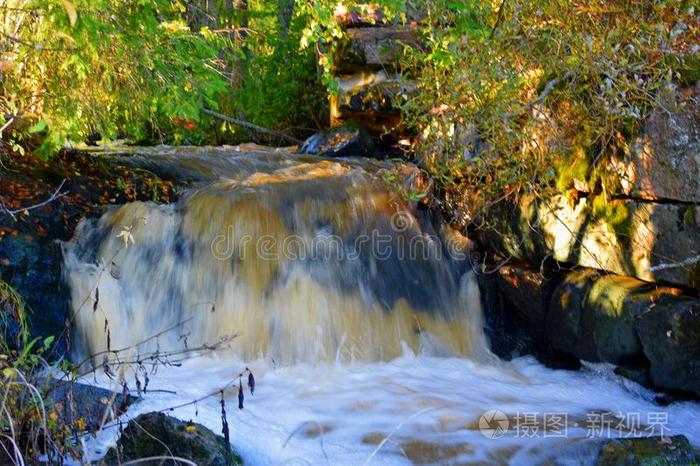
{"type": "Point", "coordinates": [664, 161]}
{"type": "Point", "coordinates": [592, 316]}
{"type": "Point", "coordinates": [649, 241]}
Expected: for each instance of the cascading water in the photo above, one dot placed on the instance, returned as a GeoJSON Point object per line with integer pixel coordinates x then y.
{"type": "Point", "coordinates": [357, 311]}
{"type": "Point", "coordinates": [313, 261]}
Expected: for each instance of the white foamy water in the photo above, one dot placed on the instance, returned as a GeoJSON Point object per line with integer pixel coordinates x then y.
{"type": "Point", "coordinates": [427, 408]}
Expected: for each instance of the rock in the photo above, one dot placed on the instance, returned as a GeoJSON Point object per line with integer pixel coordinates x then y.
{"type": "Point", "coordinates": [670, 334]}
{"type": "Point", "coordinates": [155, 434]}
{"type": "Point", "coordinates": [528, 292]}
{"type": "Point", "coordinates": [592, 316]}
{"type": "Point", "coordinates": [664, 161]}
{"type": "Point", "coordinates": [505, 339]}
{"type": "Point", "coordinates": [376, 47]}
{"type": "Point", "coordinates": [74, 401]}
{"type": "Point", "coordinates": [637, 451]}
{"type": "Point", "coordinates": [32, 266]}
{"type": "Point", "coordinates": [515, 301]}
{"type": "Point", "coordinates": [649, 241]}
{"type": "Point", "coordinates": [638, 374]}
{"type": "Point", "coordinates": [346, 141]}
{"type": "Point", "coordinates": [30, 253]}
{"type": "Point", "coordinates": [649, 451]}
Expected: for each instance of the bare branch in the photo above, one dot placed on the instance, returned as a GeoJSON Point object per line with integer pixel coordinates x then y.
{"type": "Point", "coordinates": [252, 126]}
{"type": "Point", "coordinates": [548, 88]}
{"type": "Point", "coordinates": [57, 194]}
{"type": "Point", "coordinates": [684, 263]}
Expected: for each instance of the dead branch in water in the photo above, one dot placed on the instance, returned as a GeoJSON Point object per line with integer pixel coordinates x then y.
{"type": "Point", "coordinates": [252, 126]}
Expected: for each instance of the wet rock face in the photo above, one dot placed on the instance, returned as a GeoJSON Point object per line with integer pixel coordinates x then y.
{"type": "Point", "coordinates": [651, 332]}
{"type": "Point", "coordinates": [515, 299]}
{"type": "Point", "coordinates": [155, 434]}
{"type": "Point", "coordinates": [670, 334]}
{"type": "Point", "coordinates": [528, 291]}
{"type": "Point", "coordinates": [346, 141]}
{"type": "Point", "coordinates": [33, 268]}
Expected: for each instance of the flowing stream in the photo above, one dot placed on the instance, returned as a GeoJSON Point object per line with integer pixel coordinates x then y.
{"type": "Point", "coordinates": [357, 312]}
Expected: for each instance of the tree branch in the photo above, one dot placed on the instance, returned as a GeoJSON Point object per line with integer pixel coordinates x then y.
{"type": "Point", "coordinates": [548, 88]}
{"type": "Point", "coordinates": [252, 126]}
{"type": "Point", "coordinates": [684, 263]}
{"type": "Point", "coordinates": [57, 194]}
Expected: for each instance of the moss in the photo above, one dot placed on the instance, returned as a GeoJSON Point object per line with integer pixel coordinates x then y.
{"type": "Point", "coordinates": [617, 217]}
{"type": "Point", "coordinates": [690, 216]}
{"type": "Point", "coordinates": [155, 434]}
{"type": "Point", "coordinates": [651, 451]}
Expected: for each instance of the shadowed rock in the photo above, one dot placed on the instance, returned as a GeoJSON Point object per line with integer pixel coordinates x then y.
{"type": "Point", "coordinates": [157, 435]}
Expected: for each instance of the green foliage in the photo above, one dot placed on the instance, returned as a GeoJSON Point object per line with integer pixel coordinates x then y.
{"type": "Point", "coordinates": [127, 68]}
{"type": "Point", "coordinates": [143, 70]}
{"type": "Point", "coordinates": [14, 322]}
{"type": "Point", "coordinates": [515, 97]}
{"type": "Point", "coordinates": [279, 87]}
{"type": "Point", "coordinates": [27, 427]}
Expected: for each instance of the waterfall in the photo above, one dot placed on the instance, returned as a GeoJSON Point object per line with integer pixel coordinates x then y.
{"type": "Point", "coordinates": [295, 259]}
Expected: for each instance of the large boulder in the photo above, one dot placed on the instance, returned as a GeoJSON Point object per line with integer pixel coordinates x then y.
{"type": "Point", "coordinates": [664, 161]}
{"type": "Point", "coordinates": [157, 435]}
{"type": "Point", "coordinates": [592, 316]}
{"type": "Point", "coordinates": [669, 331]}
{"type": "Point", "coordinates": [646, 240]}
{"type": "Point", "coordinates": [515, 299]}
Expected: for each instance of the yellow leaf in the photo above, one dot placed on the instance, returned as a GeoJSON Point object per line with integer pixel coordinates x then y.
{"type": "Point", "coordinates": [72, 13]}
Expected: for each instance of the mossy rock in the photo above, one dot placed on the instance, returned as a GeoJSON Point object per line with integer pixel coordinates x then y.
{"type": "Point", "coordinates": [155, 434]}
{"type": "Point", "coordinates": [651, 451]}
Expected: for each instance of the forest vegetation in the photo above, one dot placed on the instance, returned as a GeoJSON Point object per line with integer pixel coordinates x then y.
{"type": "Point", "coordinates": [510, 97]}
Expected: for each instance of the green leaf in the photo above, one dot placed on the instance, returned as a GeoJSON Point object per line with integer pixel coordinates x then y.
{"type": "Point", "coordinates": [38, 127]}
{"type": "Point", "coordinates": [72, 12]}
{"type": "Point", "coordinates": [48, 341]}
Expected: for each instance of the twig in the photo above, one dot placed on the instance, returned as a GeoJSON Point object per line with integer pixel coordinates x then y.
{"type": "Point", "coordinates": [57, 194]}
{"type": "Point", "coordinates": [7, 123]}
{"type": "Point", "coordinates": [388, 437]}
{"type": "Point", "coordinates": [38, 47]}
{"type": "Point", "coordinates": [252, 126]}
{"type": "Point", "coordinates": [548, 88]}
{"type": "Point", "coordinates": [499, 18]}
{"type": "Point", "coordinates": [161, 459]}
{"type": "Point", "coordinates": [684, 263]}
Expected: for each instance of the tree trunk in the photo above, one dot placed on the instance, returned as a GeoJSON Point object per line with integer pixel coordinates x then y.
{"type": "Point", "coordinates": [285, 11]}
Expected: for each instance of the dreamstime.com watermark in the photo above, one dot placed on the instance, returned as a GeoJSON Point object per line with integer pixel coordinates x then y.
{"type": "Point", "coordinates": [495, 424]}
{"type": "Point", "coordinates": [401, 239]}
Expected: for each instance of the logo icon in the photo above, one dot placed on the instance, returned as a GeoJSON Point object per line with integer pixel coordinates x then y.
{"type": "Point", "coordinates": [493, 424]}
